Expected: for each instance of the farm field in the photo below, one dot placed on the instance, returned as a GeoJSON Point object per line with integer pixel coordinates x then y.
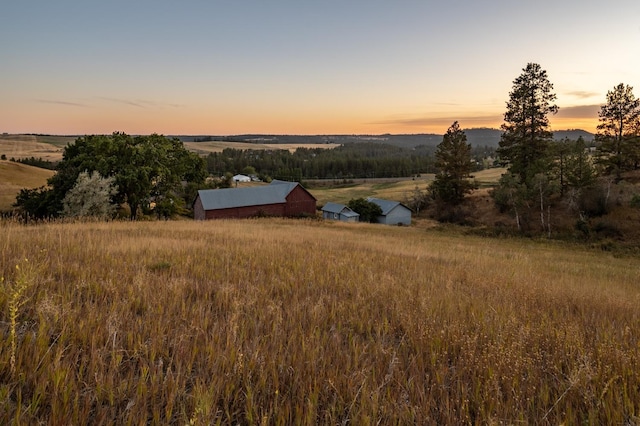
{"type": "Point", "coordinates": [24, 146]}
{"type": "Point", "coordinates": [274, 321]}
{"type": "Point", "coordinates": [50, 147]}
{"type": "Point", "coordinates": [397, 189]}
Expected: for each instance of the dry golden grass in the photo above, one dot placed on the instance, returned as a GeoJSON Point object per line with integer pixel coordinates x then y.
{"type": "Point", "coordinates": [489, 176]}
{"type": "Point", "coordinates": [303, 322]}
{"type": "Point", "coordinates": [204, 148]}
{"type": "Point", "coordinates": [392, 189]}
{"type": "Point", "coordinates": [16, 176]}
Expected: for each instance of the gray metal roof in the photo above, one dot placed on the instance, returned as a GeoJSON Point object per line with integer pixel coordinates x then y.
{"type": "Point", "coordinates": [334, 207]}
{"type": "Point", "coordinates": [386, 205]}
{"type": "Point", "coordinates": [350, 213]}
{"type": "Point", "coordinates": [275, 193]}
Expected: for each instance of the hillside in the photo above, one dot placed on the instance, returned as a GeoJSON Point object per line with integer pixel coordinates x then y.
{"type": "Point", "coordinates": [50, 147]}
{"type": "Point", "coordinates": [39, 146]}
{"type": "Point", "coordinates": [307, 322]}
{"type": "Point", "coordinates": [16, 176]}
{"type": "Point", "coordinates": [476, 137]}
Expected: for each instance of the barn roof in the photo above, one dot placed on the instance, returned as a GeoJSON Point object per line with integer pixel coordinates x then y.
{"type": "Point", "coordinates": [275, 193]}
{"type": "Point", "coordinates": [386, 205]}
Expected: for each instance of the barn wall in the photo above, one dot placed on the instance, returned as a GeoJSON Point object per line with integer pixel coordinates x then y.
{"type": "Point", "coordinates": [198, 210]}
{"type": "Point", "coordinates": [300, 202]}
{"type": "Point", "coordinates": [397, 215]}
{"type": "Point", "coordinates": [349, 219]}
{"type": "Point", "coordinates": [248, 211]}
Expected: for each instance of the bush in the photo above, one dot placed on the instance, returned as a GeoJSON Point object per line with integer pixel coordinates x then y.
{"type": "Point", "coordinates": [367, 210]}
{"type": "Point", "coordinates": [607, 230]}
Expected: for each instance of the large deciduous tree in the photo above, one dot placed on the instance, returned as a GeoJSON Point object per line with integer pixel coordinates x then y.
{"type": "Point", "coordinates": [524, 143]}
{"type": "Point", "coordinates": [619, 131]}
{"type": "Point", "coordinates": [453, 160]}
{"type": "Point", "coordinates": [144, 169]}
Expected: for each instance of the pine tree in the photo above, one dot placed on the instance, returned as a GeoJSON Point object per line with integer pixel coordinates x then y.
{"type": "Point", "coordinates": [524, 143]}
{"type": "Point", "coordinates": [619, 131]}
{"type": "Point", "coordinates": [453, 160]}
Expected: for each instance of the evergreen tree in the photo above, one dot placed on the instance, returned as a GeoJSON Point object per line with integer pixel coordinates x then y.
{"type": "Point", "coordinates": [523, 145]}
{"type": "Point", "coordinates": [453, 160]}
{"type": "Point", "coordinates": [619, 131]}
{"type": "Point", "coordinates": [578, 170]}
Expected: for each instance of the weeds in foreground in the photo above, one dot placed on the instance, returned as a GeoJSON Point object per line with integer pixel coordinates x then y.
{"type": "Point", "coordinates": [15, 294]}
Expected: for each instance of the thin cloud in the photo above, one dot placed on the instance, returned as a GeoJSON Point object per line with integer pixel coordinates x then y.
{"type": "Point", "coordinates": [579, 111]}
{"type": "Point", "coordinates": [65, 103]}
{"type": "Point", "coordinates": [123, 102]}
{"type": "Point", "coordinates": [582, 94]}
{"type": "Point", "coordinates": [464, 121]}
{"type": "Point", "coordinates": [138, 103]}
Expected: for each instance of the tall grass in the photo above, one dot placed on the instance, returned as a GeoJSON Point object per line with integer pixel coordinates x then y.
{"type": "Point", "coordinates": [293, 322]}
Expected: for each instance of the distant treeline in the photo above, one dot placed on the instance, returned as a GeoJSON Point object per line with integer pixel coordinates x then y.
{"type": "Point", "coordinates": [476, 137]}
{"type": "Point", "coordinates": [37, 162]}
{"type": "Point", "coordinates": [354, 160]}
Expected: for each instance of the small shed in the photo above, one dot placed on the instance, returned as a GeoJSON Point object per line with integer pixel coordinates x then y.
{"type": "Point", "coordinates": [279, 198]}
{"type": "Point", "coordinates": [241, 178]}
{"type": "Point", "coordinates": [335, 211]}
{"type": "Point", "coordinates": [393, 212]}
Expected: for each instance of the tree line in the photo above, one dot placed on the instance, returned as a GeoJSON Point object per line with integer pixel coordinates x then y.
{"type": "Point", "coordinates": [542, 172]}
{"type": "Point", "coordinates": [351, 160]}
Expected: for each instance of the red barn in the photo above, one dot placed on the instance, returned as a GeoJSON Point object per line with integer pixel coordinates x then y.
{"type": "Point", "coordinates": [279, 198]}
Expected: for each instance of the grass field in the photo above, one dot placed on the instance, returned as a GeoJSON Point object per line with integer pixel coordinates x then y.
{"type": "Point", "coordinates": [276, 321]}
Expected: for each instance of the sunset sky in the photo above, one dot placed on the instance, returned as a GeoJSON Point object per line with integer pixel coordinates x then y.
{"type": "Point", "coordinates": [303, 67]}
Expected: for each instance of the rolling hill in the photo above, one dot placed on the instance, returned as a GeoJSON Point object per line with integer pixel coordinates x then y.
{"type": "Point", "coordinates": [15, 176]}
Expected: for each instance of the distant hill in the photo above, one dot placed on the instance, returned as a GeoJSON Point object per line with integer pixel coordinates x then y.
{"type": "Point", "coordinates": [476, 137]}
{"type": "Point", "coordinates": [16, 176]}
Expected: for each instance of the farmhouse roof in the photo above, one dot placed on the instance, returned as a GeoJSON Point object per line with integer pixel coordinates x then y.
{"type": "Point", "coordinates": [386, 205]}
{"type": "Point", "coordinates": [274, 193]}
{"type": "Point", "coordinates": [333, 207]}
{"type": "Point", "coordinates": [339, 209]}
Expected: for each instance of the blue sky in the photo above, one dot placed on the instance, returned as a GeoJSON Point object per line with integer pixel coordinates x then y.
{"type": "Point", "coordinates": [230, 67]}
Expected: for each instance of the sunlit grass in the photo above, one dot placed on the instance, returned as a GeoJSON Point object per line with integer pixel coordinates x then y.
{"type": "Point", "coordinates": [16, 176]}
{"type": "Point", "coordinates": [391, 189]}
{"type": "Point", "coordinates": [304, 322]}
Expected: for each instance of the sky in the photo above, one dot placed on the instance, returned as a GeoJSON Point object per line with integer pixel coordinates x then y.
{"type": "Point", "coordinates": [225, 67]}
